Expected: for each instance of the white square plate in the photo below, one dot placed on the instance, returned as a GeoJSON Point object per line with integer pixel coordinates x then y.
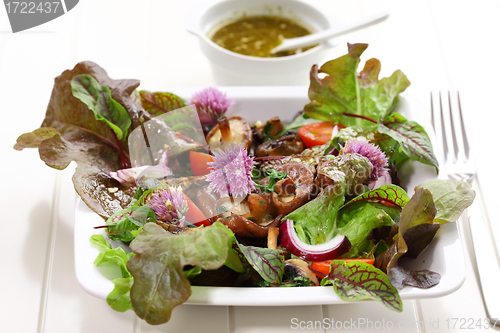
{"type": "Point", "coordinates": [444, 256]}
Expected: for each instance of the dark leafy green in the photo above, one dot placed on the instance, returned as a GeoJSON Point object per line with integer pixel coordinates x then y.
{"type": "Point", "coordinates": [131, 218]}
{"type": "Point", "coordinates": [412, 138]}
{"type": "Point", "coordinates": [269, 263]}
{"type": "Point", "coordinates": [356, 280]}
{"type": "Point", "coordinates": [386, 194]}
{"type": "Point", "coordinates": [98, 99]}
{"type": "Point", "coordinates": [159, 281]}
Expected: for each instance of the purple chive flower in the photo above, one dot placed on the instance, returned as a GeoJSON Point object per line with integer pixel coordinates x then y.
{"type": "Point", "coordinates": [232, 171]}
{"type": "Point", "coordinates": [371, 152]}
{"type": "Point", "coordinates": [169, 205]}
{"type": "Point", "coordinates": [211, 105]}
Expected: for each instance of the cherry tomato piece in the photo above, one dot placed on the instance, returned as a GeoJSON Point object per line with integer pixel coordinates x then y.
{"type": "Point", "coordinates": [199, 161]}
{"type": "Point", "coordinates": [194, 214]}
{"type": "Point", "coordinates": [322, 268]}
{"type": "Point", "coordinates": [317, 134]}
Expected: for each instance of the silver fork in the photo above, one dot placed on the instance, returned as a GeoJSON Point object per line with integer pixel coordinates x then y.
{"type": "Point", "coordinates": [460, 165]}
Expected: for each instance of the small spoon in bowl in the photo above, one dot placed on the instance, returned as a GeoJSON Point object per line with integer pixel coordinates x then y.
{"type": "Point", "coordinates": [315, 38]}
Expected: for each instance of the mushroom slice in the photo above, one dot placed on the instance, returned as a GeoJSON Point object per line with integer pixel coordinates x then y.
{"type": "Point", "coordinates": [303, 179]}
{"type": "Point", "coordinates": [244, 227]}
{"type": "Point", "coordinates": [235, 130]}
{"type": "Point", "coordinates": [300, 267]}
{"type": "Point", "coordinates": [286, 145]}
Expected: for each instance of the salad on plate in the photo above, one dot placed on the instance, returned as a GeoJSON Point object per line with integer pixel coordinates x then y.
{"type": "Point", "coordinates": [196, 198]}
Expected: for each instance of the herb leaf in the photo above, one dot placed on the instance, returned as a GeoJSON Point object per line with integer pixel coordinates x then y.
{"type": "Point", "coordinates": [131, 218]}
{"type": "Point", "coordinates": [98, 99]}
{"type": "Point", "coordinates": [358, 280]}
{"type": "Point", "coordinates": [274, 176]}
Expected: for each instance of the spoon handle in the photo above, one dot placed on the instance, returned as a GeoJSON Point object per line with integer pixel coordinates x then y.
{"type": "Point", "coordinates": [294, 43]}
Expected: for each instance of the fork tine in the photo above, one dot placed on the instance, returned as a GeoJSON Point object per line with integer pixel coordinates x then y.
{"type": "Point", "coordinates": [462, 125]}
{"type": "Point", "coordinates": [452, 128]}
{"type": "Point", "coordinates": [443, 128]}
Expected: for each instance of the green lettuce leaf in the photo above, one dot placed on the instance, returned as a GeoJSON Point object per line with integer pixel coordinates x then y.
{"type": "Point", "coordinates": [98, 99]}
{"type": "Point", "coordinates": [269, 263]}
{"type": "Point", "coordinates": [412, 138]}
{"type": "Point", "coordinates": [159, 281]}
{"type": "Point", "coordinates": [357, 228]}
{"type": "Point", "coordinates": [316, 221]}
{"type": "Point", "coordinates": [119, 298]}
{"type": "Point", "coordinates": [343, 91]}
{"type": "Point", "coordinates": [116, 255]}
{"type": "Point", "coordinates": [451, 197]}
{"type": "Point", "coordinates": [158, 103]}
{"type": "Point", "coordinates": [357, 280]}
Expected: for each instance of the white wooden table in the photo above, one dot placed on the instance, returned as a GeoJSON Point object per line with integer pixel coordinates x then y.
{"type": "Point", "coordinates": [440, 45]}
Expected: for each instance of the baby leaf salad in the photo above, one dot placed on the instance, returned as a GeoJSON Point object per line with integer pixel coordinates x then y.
{"type": "Point", "coordinates": [198, 198]}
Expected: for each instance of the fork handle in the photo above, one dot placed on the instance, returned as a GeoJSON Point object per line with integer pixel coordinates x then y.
{"type": "Point", "coordinates": [487, 265]}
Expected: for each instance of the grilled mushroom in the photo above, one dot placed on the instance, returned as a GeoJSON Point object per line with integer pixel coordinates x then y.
{"type": "Point", "coordinates": [286, 145]}
{"type": "Point", "coordinates": [235, 130]}
{"type": "Point", "coordinates": [250, 217]}
{"type": "Point", "coordinates": [303, 179]}
{"type": "Point", "coordinates": [298, 268]}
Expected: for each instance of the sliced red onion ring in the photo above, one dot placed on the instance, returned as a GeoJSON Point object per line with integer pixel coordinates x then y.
{"type": "Point", "coordinates": [329, 250]}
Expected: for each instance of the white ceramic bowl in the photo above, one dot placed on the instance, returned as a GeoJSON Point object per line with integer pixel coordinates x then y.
{"type": "Point", "coordinates": [230, 68]}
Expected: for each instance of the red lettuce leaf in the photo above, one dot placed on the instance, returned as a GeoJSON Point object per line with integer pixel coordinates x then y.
{"type": "Point", "coordinates": [157, 268]}
{"type": "Point", "coordinates": [269, 263]}
{"type": "Point", "coordinates": [416, 231]}
{"type": "Point", "coordinates": [70, 132]}
{"type": "Point", "coordinates": [158, 103]}
{"type": "Point", "coordinates": [357, 280]}
{"type": "Point", "coordinates": [424, 279]}
{"type": "Point", "coordinates": [386, 194]}
{"type": "Point", "coordinates": [412, 138]}
{"type": "Point", "coordinates": [342, 91]}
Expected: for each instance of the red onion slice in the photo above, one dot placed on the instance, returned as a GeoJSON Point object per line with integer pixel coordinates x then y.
{"type": "Point", "coordinates": [329, 250]}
